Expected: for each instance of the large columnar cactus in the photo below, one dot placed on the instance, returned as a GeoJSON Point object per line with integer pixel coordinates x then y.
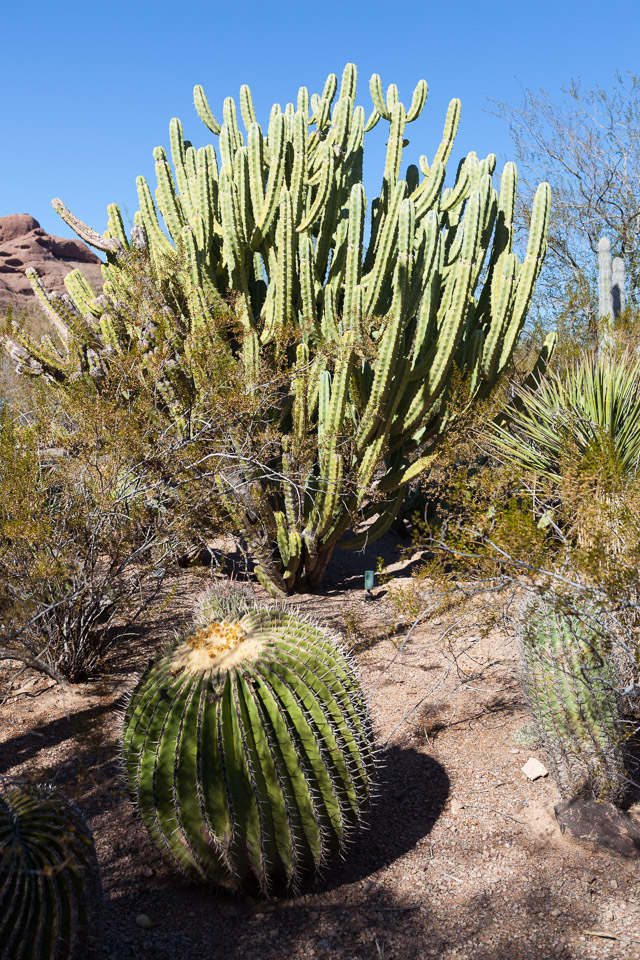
{"type": "Point", "coordinates": [248, 749]}
{"type": "Point", "coordinates": [571, 684]}
{"type": "Point", "coordinates": [49, 883]}
{"type": "Point", "coordinates": [372, 331]}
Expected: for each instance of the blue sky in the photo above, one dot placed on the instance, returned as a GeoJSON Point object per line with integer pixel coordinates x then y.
{"type": "Point", "coordinates": [88, 89]}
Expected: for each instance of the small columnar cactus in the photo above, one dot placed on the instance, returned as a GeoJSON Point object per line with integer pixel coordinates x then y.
{"type": "Point", "coordinates": [570, 682]}
{"type": "Point", "coordinates": [248, 750]}
{"type": "Point", "coordinates": [49, 882]}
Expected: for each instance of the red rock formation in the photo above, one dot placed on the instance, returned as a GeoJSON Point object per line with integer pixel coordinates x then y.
{"type": "Point", "coordinates": [23, 243]}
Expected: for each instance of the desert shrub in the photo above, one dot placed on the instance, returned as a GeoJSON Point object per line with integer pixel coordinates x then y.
{"type": "Point", "coordinates": [79, 537]}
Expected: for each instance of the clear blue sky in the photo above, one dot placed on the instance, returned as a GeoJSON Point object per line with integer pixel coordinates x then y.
{"type": "Point", "coordinates": [88, 89]}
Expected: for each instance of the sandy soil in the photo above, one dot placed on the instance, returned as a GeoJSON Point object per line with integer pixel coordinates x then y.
{"type": "Point", "coordinates": [462, 856]}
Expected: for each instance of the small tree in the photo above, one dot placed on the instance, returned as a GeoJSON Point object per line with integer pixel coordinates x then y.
{"type": "Point", "coordinates": [587, 145]}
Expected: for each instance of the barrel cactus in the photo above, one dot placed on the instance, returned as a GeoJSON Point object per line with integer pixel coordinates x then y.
{"type": "Point", "coordinates": [571, 683]}
{"type": "Point", "coordinates": [49, 882]}
{"type": "Point", "coordinates": [248, 750]}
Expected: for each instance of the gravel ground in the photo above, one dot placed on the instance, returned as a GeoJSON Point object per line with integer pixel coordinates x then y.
{"type": "Point", "coordinates": [461, 858]}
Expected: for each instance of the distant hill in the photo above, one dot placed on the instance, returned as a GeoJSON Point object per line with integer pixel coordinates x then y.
{"type": "Point", "coordinates": [23, 243]}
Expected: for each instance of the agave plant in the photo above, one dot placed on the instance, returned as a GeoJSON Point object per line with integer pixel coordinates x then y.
{"type": "Point", "coordinates": [591, 414]}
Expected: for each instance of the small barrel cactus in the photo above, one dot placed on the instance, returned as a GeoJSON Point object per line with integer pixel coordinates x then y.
{"type": "Point", "coordinates": [49, 882]}
{"type": "Point", "coordinates": [248, 749]}
{"type": "Point", "coordinates": [571, 684]}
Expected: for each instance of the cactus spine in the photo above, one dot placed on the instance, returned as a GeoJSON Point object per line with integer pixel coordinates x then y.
{"type": "Point", "coordinates": [278, 217]}
{"type": "Point", "coordinates": [49, 884]}
{"type": "Point", "coordinates": [570, 683]}
{"type": "Point", "coordinates": [248, 749]}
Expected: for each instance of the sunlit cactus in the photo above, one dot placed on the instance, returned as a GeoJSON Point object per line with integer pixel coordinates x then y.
{"type": "Point", "coordinates": [49, 882]}
{"type": "Point", "coordinates": [248, 750]}
{"type": "Point", "coordinates": [373, 324]}
{"type": "Point", "coordinates": [572, 687]}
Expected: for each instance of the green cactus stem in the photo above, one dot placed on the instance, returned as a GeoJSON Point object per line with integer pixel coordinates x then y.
{"type": "Point", "coordinates": [49, 883]}
{"type": "Point", "coordinates": [570, 682]}
{"type": "Point", "coordinates": [248, 749]}
{"type": "Point", "coordinates": [372, 323]}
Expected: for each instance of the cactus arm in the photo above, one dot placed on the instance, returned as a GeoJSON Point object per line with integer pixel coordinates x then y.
{"type": "Point", "coordinates": [202, 107]}
{"type": "Point", "coordinates": [418, 101]}
{"type": "Point", "coordinates": [394, 148]}
{"type": "Point", "coordinates": [256, 168]}
{"type": "Point", "coordinates": [246, 107]}
{"type": "Point", "coordinates": [299, 410]}
{"type": "Point", "coordinates": [168, 202]}
{"type": "Point", "coordinates": [354, 250]}
{"type": "Point", "coordinates": [274, 185]}
{"type": "Point", "coordinates": [388, 513]}
{"type": "Point", "coordinates": [328, 93]}
{"type": "Point", "coordinates": [284, 277]}
{"type": "Point", "coordinates": [308, 311]}
{"type": "Point", "coordinates": [299, 170]}
{"type": "Point", "coordinates": [427, 194]}
{"type": "Point", "coordinates": [375, 88]}
{"type": "Point", "coordinates": [45, 299]}
{"type": "Point", "coordinates": [449, 134]}
{"type": "Point", "coordinates": [450, 320]}
{"type": "Point", "coordinates": [82, 230]}
{"type": "Point", "coordinates": [230, 118]}
{"type": "Point", "coordinates": [375, 278]}
{"type": "Point", "coordinates": [529, 270]}
{"type": "Point", "coordinates": [326, 179]}
{"type": "Point", "coordinates": [157, 240]}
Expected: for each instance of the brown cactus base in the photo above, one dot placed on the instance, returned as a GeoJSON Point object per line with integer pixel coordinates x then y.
{"type": "Point", "coordinates": [600, 823]}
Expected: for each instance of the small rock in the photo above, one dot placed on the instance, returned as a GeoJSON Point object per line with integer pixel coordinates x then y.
{"type": "Point", "coordinates": [455, 807]}
{"type": "Point", "coordinates": [147, 872]}
{"type": "Point", "coordinates": [144, 921]}
{"type": "Point", "coordinates": [600, 823]}
{"type": "Point", "coordinates": [555, 912]}
{"type": "Point", "coordinates": [534, 769]}
{"type": "Point", "coordinates": [323, 944]}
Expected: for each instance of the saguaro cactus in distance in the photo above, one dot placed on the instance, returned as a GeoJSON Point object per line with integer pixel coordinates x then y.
{"type": "Point", "coordinates": [372, 332]}
{"type": "Point", "coordinates": [49, 882]}
{"type": "Point", "coordinates": [248, 749]}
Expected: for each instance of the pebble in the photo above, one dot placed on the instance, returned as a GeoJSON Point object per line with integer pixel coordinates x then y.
{"type": "Point", "coordinates": [534, 769]}
{"type": "Point", "coordinates": [147, 872]}
{"type": "Point", "coordinates": [144, 921]}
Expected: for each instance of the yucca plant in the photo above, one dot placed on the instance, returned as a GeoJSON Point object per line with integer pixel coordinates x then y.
{"type": "Point", "coordinates": [590, 414]}
{"type": "Point", "coordinates": [49, 881]}
{"type": "Point", "coordinates": [567, 654]}
{"type": "Point", "coordinates": [248, 749]}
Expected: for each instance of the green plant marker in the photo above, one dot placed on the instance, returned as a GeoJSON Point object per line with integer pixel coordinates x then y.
{"type": "Point", "coordinates": [368, 584]}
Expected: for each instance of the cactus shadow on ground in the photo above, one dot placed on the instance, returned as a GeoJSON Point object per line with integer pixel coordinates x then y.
{"type": "Point", "coordinates": [412, 791]}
